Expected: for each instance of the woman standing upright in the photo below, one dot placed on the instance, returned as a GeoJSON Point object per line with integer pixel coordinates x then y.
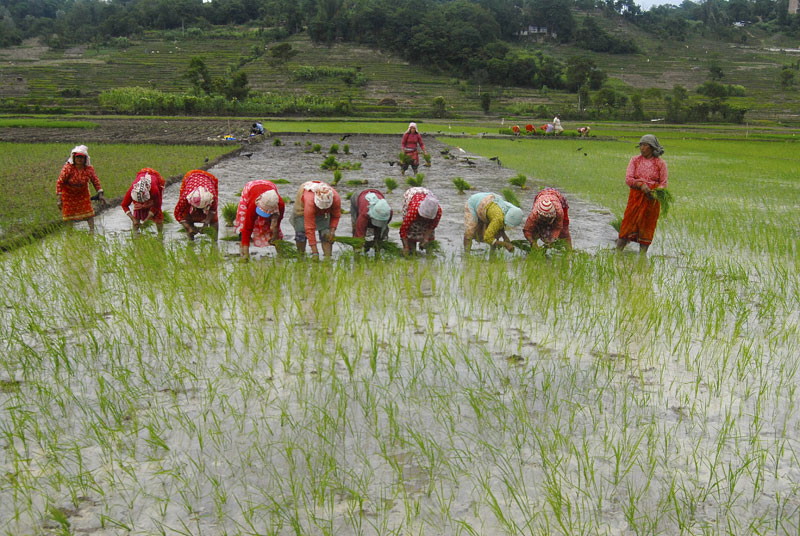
{"type": "Point", "coordinates": [412, 139]}
{"type": "Point", "coordinates": [646, 172]}
{"type": "Point", "coordinates": [72, 187]}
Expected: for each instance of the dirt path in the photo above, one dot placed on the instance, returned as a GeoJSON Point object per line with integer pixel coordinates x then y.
{"type": "Point", "coordinates": [589, 224]}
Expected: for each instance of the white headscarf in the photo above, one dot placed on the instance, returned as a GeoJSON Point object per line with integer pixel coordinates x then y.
{"type": "Point", "coordinates": [200, 198]}
{"type": "Point", "coordinates": [323, 194]}
{"type": "Point", "coordinates": [412, 124]}
{"type": "Point", "coordinates": [80, 149]}
{"type": "Point", "coordinates": [141, 190]}
{"type": "Point", "coordinates": [429, 207]}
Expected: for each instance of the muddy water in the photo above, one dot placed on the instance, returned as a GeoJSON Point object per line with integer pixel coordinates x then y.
{"type": "Point", "coordinates": [589, 224]}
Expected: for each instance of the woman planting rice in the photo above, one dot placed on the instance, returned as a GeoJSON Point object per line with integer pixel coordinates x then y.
{"type": "Point", "coordinates": [72, 187]}
{"type": "Point", "coordinates": [645, 173]}
{"type": "Point", "coordinates": [370, 215]}
{"type": "Point", "coordinates": [548, 219]}
{"type": "Point", "coordinates": [412, 139]}
{"type": "Point", "coordinates": [421, 215]}
{"type": "Point", "coordinates": [486, 216]}
{"type": "Point", "coordinates": [317, 209]}
{"type": "Point", "coordinates": [145, 193]}
{"type": "Point", "coordinates": [197, 202]}
{"type": "Point", "coordinates": [259, 215]}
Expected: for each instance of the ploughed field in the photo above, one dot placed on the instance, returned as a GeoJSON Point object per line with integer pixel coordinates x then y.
{"type": "Point", "coordinates": [155, 386]}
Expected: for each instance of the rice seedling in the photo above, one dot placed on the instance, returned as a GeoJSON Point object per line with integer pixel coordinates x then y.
{"type": "Point", "coordinates": [337, 176]}
{"type": "Point", "coordinates": [461, 185]}
{"type": "Point", "coordinates": [427, 158]}
{"type": "Point", "coordinates": [277, 142]}
{"type": "Point", "coordinates": [511, 197]}
{"type": "Point", "coordinates": [357, 182]}
{"type": "Point", "coordinates": [396, 224]}
{"type": "Point", "coordinates": [415, 180]}
{"type": "Point", "coordinates": [519, 180]}
{"type": "Point", "coordinates": [404, 159]}
{"type": "Point", "coordinates": [664, 197]}
{"type": "Point", "coordinates": [316, 148]}
{"type": "Point", "coordinates": [275, 181]}
{"type": "Point", "coordinates": [330, 163]}
{"type": "Point", "coordinates": [523, 245]}
{"type": "Point", "coordinates": [391, 184]}
{"type": "Point", "coordinates": [334, 149]}
{"type": "Point", "coordinates": [346, 149]}
{"type": "Point", "coordinates": [355, 243]}
{"type": "Point", "coordinates": [229, 213]}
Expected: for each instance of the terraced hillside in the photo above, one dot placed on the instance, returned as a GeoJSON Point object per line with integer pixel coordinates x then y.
{"type": "Point", "coordinates": [72, 78]}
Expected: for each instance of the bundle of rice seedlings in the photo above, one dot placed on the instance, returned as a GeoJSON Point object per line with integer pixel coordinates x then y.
{"type": "Point", "coordinates": [427, 159]}
{"type": "Point", "coordinates": [357, 182]}
{"type": "Point", "coordinates": [519, 180]}
{"type": "Point", "coordinates": [461, 185]}
{"type": "Point", "coordinates": [346, 149]}
{"type": "Point", "coordinates": [524, 245]}
{"type": "Point", "coordinates": [277, 142]}
{"type": "Point", "coordinates": [356, 243]}
{"type": "Point", "coordinates": [229, 213]}
{"type": "Point", "coordinates": [329, 163]}
{"type": "Point", "coordinates": [280, 181]}
{"type": "Point", "coordinates": [390, 183]}
{"type": "Point", "coordinates": [417, 180]}
{"type": "Point", "coordinates": [334, 149]}
{"type": "Point", "coordinates": [348, 195]}
{"type": "Point", "coordinates": [396, 224]}
{"type": "Point", "coordinates": [511, 197]}
{"type": "Point", "coordinates": [405, 159]}
{"type": "Point", "coordinates": [286, 248]}
{"type": "Point", "coordinates": [664, 197]}
{"type": "Point", "coordinates": [168, 218]}
{"type": "Point", "coordinates": [390, 248]}
{"type": "Point", "coordinates": [231, 238]}
{"type": "Point", "coordinates": [337, 176]}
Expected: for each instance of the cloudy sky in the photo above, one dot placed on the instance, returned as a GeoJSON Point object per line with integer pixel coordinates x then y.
{"type": "Point", "coordinates": [647, 4]}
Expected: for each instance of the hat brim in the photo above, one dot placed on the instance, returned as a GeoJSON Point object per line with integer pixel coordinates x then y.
{"type": "Point", "coordinates": [262, 213]}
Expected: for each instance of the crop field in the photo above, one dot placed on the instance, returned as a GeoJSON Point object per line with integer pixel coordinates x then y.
{"type": "Point", "coordinates": [162, 387]}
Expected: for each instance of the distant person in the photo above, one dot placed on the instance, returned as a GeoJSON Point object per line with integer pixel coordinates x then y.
{"type": "Point", "coordinates": [256, 129]}
{"type": "Point", "coordinates": [421, 215]}
{"type": "Point", "coordinates": [370, 215]}
{"type": "Point", "coordinates": [584, 131]}
{"type": "Point", "coordinates": [259, 216]}
{"type": "Point", "coordinates": [547, 127]}
{"type": "Point", "coordinates": [411, 142]}
{"type": "Point", "coordinates": [548, 220]}
{"type": "Point", "coordinates": [486, 217]}
{"type": "Point", "coordinates": [197, 202]}
{"type": "Point", "coordinates": [72, 187]}
{"type": "Point", "coordinates": [645, 173]}
{"type": "Point", "coordinates": [557, 128]}
{"type": "Point", "coordinates": [145, 193]}
{"type": "Point", "coordinates": [317, 209]}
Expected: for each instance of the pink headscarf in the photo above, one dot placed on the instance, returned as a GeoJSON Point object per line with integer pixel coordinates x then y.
{"type": "Point", "coordinates": [412, 124]}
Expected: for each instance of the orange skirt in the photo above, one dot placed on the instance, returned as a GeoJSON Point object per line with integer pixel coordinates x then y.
{"type": "Point", "coordinates": [77, 203]}
{"type": "Point", "coordinates": [640, 218]}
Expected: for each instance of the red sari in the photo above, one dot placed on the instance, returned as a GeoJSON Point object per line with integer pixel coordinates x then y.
{"type": "Point", "coordinates": [641, 214]}
{"type": "Point", "coordinates": [72, 187]}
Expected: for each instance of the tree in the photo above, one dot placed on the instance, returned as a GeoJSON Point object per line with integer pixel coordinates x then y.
{"type": "Point", "coordinates": [199, 77]}
{"type": "Point", "coordinates": [486, 102]}
{"type": "Point", "coordinates": [439, 107]}
{"type": "Point", "coordinates": [581, 70]}
{"type": "Point", "coordinates": [715, 71]}
{"type": "Point", "coordinates": [787, 76]}
{"type": "Point", "coordinates": [281, 53]}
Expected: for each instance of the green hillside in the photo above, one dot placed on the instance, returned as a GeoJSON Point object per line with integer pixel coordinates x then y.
{"type": "Point", "coordinates": [34, 77]}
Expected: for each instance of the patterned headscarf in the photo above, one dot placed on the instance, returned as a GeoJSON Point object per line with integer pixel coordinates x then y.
{"type": "Point", "coordinates": [80, 149]}
{"type": "Point", "coordinates": [141, 190]}
{"type": "Point", "coordinates": [268, 202]}
{"type": "Point", "coordinates": [652, 141]}
{"type": "Point", "coordinates": [429, 207]}
{"type": "Point", "coordinates": [323, 195]}
{"type": "Point", "coordinates": [545, 207]}
{"type": "Point", "coordinates": [200, 198]}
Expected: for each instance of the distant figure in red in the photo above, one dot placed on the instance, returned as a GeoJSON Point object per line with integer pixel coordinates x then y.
{"type": "Point", "coordinates": [515, 129]}
{"type": "Point", "coordinates": [72, 187]}
{"type": "Point", "coordinates": [197, 202]}
{"type": "Point", "coordinates": [421, 215]}
{"type": "Point", "coordinates": [645, 172]}
{"type": "Point", "coordinates": [412, 139]}
{"type": "Point", "coordinates": [529, 128]}
{"type": "Point", "coordinates": [584, 131]}
{"type": "Point", "coordinates": [548, 220]}
{"type": "Point", "coordinates": [259, 216]}
{"type": "Point", "coordinates": [145, 193]}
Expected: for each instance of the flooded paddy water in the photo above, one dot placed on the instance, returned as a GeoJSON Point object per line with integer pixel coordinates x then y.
{"type": "Point", "coordinates": [154, 387]}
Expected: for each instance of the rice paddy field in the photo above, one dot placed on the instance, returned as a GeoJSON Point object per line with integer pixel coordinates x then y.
{"type": "Point", "coordinates": [163, 387]}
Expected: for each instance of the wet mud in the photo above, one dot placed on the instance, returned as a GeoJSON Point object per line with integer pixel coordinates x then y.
{"type": "Point", "coordinates": [589, 224]}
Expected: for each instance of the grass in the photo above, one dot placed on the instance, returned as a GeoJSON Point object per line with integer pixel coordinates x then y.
{"type": "Point", "coordinates": [33, 122]}
{"type": "Point", "coordinates": [29, 202]}
{"type": "Point", "coordinates": [576, 393]}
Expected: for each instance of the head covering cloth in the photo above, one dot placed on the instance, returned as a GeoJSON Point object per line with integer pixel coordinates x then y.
{"type": "Point", "coordinates": [268, 202]}
{"type": "Point", "coordinates": [429, 207]}
{"type": "Point", "coordinates": [652, 141]}
{"type": "Point", "coordinates": [141, 190]}
{"type": "Point", "coordinates": [200, 198]}
{"type": "Point", "coordinates": [79, 149]}
{"type": "Point", "coordinates": [412, 124]}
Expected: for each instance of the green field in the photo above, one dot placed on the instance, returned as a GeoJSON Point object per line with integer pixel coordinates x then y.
{"type": "Point", "coordinates": [151, 387]}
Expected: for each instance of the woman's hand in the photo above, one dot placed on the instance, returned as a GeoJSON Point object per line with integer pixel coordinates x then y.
{"type": "Point", "coordinates": [130, 216]}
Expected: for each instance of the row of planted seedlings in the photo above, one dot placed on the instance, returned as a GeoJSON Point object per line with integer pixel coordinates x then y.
{"type": "Point", "coordinates": [160, 388]}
